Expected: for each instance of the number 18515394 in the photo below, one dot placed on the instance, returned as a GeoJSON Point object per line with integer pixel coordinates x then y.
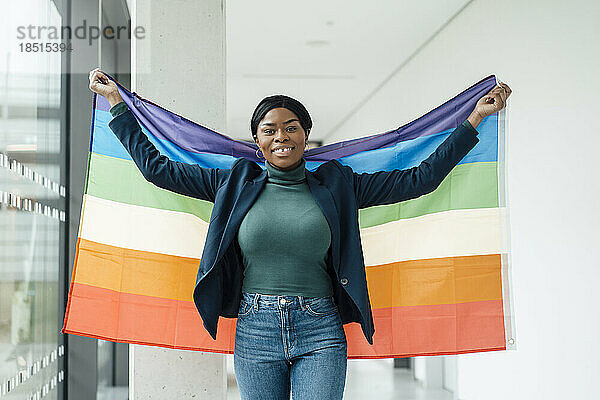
{"type": "Point", "coordinates": [44, 47]}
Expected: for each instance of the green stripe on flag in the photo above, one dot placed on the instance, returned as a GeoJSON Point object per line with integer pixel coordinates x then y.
{"type": "Point", "coordinates": [467, 186]}
{"type": "Point", "coordinates": [120, 180]}
{"type": "Point", "coordinates": [473, 185]}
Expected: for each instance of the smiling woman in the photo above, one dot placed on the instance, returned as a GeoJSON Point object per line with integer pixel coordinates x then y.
{"type": "Point", "coordinates": [284, 239]}
{"type": "Point", "coordinates": [280, 127]}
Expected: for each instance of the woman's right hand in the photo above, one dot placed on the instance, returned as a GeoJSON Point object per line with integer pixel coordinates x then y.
{"type": "Point", "coordinates": [99, 83]}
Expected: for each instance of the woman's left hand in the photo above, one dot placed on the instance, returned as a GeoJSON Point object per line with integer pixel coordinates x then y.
{"type": "Point", "coordinates": [494, 101]}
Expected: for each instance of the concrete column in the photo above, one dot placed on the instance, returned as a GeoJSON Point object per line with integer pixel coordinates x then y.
{"type": "Point", "coordinates": [179, 63]}
{"type": "Point", "coordinates": [429, 371]}
{"type": "Point", "coordinates": [434, 372]}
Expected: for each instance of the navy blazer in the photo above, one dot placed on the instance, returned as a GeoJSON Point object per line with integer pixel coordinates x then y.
{"type": "Point", "coordinates": [337, 189]}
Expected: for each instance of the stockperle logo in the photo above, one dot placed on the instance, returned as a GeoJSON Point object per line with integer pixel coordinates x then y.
{"type": "Point", "coordinates": [41, 33]}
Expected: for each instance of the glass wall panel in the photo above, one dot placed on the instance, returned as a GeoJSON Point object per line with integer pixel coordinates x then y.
{"type": "Point", "coordinates": [30, 192]}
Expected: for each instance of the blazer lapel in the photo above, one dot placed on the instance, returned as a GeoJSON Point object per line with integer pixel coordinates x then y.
{"type": "Point", "coordinates": [248, 194]}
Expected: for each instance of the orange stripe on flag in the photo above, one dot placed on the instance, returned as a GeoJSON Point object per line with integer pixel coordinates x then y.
{"type": "Point", "coordinates": [135, 271]}
{"type": "Point", "coordinates": [446, 280]}
{"type": "Point", "coordinates": [416, 282]}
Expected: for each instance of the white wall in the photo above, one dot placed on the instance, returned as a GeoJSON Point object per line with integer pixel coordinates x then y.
{"type": "Point", "coordinates": [547, 51]}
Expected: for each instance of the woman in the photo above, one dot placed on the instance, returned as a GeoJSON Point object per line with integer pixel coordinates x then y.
{"type": "Point", "coordinates": [283, 251]}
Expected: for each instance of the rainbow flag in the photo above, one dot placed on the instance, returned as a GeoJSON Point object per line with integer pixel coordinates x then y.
{"type": "Point", "coordinates": [437, 266]}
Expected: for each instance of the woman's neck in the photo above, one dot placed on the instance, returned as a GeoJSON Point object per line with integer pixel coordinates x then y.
{"type": "Point", "coordinates": [290, 168]}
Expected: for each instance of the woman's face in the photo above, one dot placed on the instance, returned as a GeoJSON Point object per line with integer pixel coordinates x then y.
{"type": "Point", "coordinates": [281, 138]}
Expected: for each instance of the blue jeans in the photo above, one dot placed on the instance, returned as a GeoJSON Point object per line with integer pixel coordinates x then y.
{"type": "Point", "coordinates": [285, 343]}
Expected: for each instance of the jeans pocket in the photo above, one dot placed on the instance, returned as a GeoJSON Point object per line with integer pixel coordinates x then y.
{"type": "Point", "coordinates": [244, 309]}
{"type": "Point", "coordinates": [321, 307]}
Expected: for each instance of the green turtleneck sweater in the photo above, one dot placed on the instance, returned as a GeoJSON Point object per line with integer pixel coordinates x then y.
{"type": "Point", "coordinates": [284, 238]}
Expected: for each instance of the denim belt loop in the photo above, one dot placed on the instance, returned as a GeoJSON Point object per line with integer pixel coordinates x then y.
{"type": "Point", "coordinates": [301, 301]}
{"type": "Point", "coordinates": [255, 302]}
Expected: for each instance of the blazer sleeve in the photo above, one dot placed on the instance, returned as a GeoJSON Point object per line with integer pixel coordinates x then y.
{"type": "Point", "coordinates": [388, 187]}
{"type": "Point", "coordinates": [187, 179]}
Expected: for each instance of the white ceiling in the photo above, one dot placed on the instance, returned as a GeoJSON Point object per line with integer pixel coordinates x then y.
{"type": "Point", "coordinates": [331, 55]}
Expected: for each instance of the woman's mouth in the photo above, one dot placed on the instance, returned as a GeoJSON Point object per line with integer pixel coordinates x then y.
{"type": "Point", "coordinates": [283, 151]}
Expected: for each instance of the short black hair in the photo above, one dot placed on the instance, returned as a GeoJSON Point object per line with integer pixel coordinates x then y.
{"type": "Point", "coordinates": [277, 101]}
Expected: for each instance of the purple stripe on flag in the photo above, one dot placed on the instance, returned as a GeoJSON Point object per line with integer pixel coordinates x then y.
{"type": "Point", "coordinates": [194, 137]}
{"type": "Point", "coordinates": [447, 116]}
{"type": "Point", "coordinates": [102, 104]}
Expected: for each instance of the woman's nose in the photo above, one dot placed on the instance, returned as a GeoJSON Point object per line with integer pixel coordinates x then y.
{"type": "Point", "coordinates": [281, 135]}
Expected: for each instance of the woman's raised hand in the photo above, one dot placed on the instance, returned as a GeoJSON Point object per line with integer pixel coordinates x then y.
{"type": "Point", "coordinates": [99, 83]}
{"type": "Point", "coordinates": [494, 101]}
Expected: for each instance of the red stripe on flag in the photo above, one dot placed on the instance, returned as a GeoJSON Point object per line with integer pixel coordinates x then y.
{"type": "Point", "coordinates": [417, 330]}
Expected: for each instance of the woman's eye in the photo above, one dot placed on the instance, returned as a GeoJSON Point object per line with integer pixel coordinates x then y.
{"type": "Point", "coordinates": [288, 129]}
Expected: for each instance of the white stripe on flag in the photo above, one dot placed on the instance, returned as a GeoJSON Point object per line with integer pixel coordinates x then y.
{"type": "Point", "coordinates": [443, 234]}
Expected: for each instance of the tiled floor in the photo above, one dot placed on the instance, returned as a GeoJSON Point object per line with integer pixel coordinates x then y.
{"type": "Point", "coordinates": [369, 379]}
